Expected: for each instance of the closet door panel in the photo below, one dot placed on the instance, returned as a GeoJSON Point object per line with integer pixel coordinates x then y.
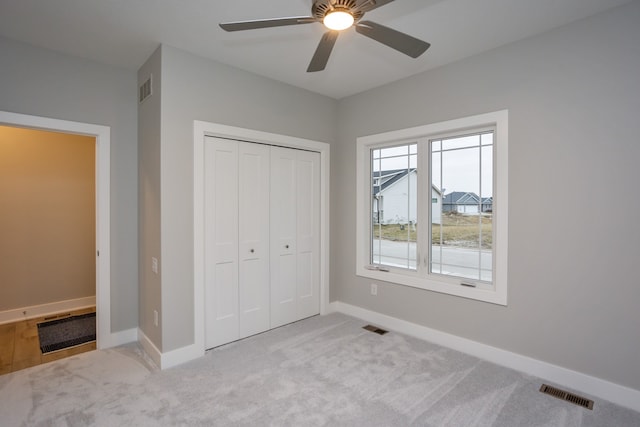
{"type": "Point", "coordinates": [225, 295]}
{"type": "Point", "coordinates": [283, 236]}
{"type": "Point", "coordinates": [307, 233]}
{"type": "Point", "coordinates": [221, 241]}
{"type": "Point", "coordinates": [304, 279]}
{"type": "Point", "coordinates": [253, 236]}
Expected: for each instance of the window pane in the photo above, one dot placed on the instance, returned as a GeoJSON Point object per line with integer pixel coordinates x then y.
{"type": "Point", "coordinates": [487, 138]}
{"type": "Point", "coordinates": [394, 151]}
{"type": "Point", "coordinates": [389, 166]}
{"type": "Point", "coordinates": [486, 240]}
{"type": "Point", "coordinates": [461, 174]}
{"type": "Point", "coordinates": [486, 189]}
{"type": "Point", "coordinates": [461, 234]}
{"type": "Point", "coordinates": [394, 206]}
{"type": "Point", "coordinates": [460, 142]}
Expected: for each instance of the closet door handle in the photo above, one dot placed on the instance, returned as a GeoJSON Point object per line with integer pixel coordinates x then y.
{"type": "Point", "coordinates": [286, 246]}
{"type": "Point", "coordinates": [252, 251]}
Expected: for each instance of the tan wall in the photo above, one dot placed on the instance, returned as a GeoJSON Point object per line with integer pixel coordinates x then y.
{"type": "Point", "coordinates": [47, 217]}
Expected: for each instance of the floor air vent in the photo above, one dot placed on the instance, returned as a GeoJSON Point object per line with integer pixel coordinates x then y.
{"type": "Point", "coordinates": [375, 329]}
{"type": "Point", "coordinates": [565, 395]}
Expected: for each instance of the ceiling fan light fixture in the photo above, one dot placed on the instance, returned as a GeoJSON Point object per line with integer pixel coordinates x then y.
{"type": "Point", "coordinates": [338, 15]}
{"type": "Point", "coordinates": [338, 20]}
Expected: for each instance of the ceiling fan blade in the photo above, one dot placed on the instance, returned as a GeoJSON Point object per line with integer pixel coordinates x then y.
{"type": "Point", "coordinates": [321, 57]}
{"type": "Point", "coordinates": [394, 39]}
{"type": "Point", "coordinates": [368, 5]}
{"type": "Point", "coordinates": [266, 23]}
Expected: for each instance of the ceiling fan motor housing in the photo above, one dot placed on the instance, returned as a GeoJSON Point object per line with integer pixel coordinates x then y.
{"type": "Point", "coordinates": [320, 8]}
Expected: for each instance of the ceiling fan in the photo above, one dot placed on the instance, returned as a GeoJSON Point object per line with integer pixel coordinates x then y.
{"type": "Point", "coordinates": [338, 15]}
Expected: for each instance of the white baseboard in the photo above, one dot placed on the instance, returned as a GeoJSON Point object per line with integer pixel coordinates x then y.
{"type": "Point", "coordinates": [170, 358]}
{"type": "Point", "coordinates": [25, 313]}
{"type": "Point", "coordinates": [118, 338]}
{"type": "Point", "coordinates": [150, 348]}
{"type": "Point", "coordinates": [180, 356]}
{"type": "Point", "coordinates": [618, 394]}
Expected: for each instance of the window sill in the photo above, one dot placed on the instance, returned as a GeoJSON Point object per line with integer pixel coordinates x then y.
{"type": "Point", "coordinates": [486, 293]}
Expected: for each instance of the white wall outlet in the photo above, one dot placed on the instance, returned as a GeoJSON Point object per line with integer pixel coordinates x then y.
{"type": "Point", "coordinates": [155, 317]}
{"type": "Point", "coordinates": [154, 264]}
{"type": "Point", "coordinates": [374, 289]}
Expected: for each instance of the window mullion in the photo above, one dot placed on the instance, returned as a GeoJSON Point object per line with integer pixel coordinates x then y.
{"type": "Point", "coordinates": [408, 258]}
{"type": "Point", "coordinates": [441, 228]}
{"type": "Point", "coordinates": [380, 209]}
{"type": "Point", "coordinates": [480, 207]}
{"type": "Point", "coordinates": [423, 210]}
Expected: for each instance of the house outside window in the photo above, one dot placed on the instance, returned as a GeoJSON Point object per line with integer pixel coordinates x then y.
{"type": "Point", "coordinates": [459, 169]}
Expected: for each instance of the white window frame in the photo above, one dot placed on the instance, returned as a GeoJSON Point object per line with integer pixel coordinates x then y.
{"type": "Point", "coordinates": [495, 292]}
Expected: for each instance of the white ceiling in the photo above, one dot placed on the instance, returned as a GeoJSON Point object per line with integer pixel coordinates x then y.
{"type": "Point", "coordinates": [125, 32]}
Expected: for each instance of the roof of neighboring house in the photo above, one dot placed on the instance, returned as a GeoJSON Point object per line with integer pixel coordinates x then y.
{"type": "Point", "coordinates": [461, 198]}
{"type": "Point", "coordinates": [394, 175]}
{"type": "Point", "coordinates": [465, 198]}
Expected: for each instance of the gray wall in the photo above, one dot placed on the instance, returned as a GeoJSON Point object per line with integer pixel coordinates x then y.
{"type": "Point", "coordinates": [197, 88]}
{"type": "Point", "coordinates": [43, 83]}
{"type": "Point", "coordinates": [573, 97]}
{"type": "Point", "coordinates": [149, 158]}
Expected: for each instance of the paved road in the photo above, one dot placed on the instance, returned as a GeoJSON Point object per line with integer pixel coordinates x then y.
{"type": "Point", "coordinates": [459, 261]}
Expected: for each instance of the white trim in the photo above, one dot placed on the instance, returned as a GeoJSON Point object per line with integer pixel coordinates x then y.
{"type": "Point", "coordinates": [171, 358]}
{"type": "Point", "coordinates": [496, 294]}
{"type": "Point", "coordinates": [618, 394]}
{"type": "Point", "coordinates": [150, 348]}
{"type": "Point", "coordinates": [179, 356]}
{"type": "Point", "coordinates": [122, 337]}
{"type": "Point", "coordinates": [31, 312]}
{"type": "Point", "coordinates": [102, 135]}
{"type": "Point", "coordinates": [202, 129]}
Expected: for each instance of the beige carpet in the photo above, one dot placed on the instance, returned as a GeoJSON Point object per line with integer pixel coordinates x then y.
{"type": "Point", "coordinates": [323, 371]}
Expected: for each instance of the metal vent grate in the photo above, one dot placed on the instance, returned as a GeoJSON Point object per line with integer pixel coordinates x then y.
{"type": "Point", "coordinates": [375, 329]}
{"type": "Point", "coordinates": [565, 395]}
{"type": "Point", "coordinates": [145, 90]}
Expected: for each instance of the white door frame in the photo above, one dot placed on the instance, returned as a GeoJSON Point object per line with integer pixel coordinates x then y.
{"type": "Point", "coordinates": [200, 131]}
{"type": "Point", "coordinates": [102, 135]}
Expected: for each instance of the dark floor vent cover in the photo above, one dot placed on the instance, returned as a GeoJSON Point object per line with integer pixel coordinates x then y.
{"type": "Point", "coordinates": [375, 329]}
{"type": "Point", "coordinates": [565, 395]}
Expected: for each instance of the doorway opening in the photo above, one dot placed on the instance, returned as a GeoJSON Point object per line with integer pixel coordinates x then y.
{"type": "Point", "coordinates": [100, 269]}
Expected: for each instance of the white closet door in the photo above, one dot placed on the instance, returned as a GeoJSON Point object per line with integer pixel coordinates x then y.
{"type": "Point", "coordinates": [283, 236]}
{"type": "Point", "coordinates": [308, 233]}
{"type": "Point", "coordinates": [221, 241]}
{"type": "Point", "coordinates": [294, 235]}
{"type": "Point", "coordinates": [254, 238]}
{"type": "Point", "coordinates": [262, 247]}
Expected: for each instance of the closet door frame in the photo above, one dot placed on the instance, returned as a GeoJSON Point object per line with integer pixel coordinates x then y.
{"type": "Point", "coordinates": [203, 129]}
